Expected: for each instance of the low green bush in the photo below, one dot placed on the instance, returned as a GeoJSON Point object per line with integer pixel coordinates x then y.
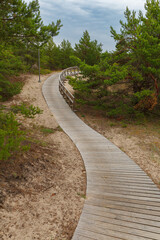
{"type": "Point", "coordinates": [46, 130]}
{"type": "Point", "coordinates": [11, 137]}
{"type": "Point", "coordinates": [8, 89]}
{"type": "Point", "coordinates": [28, 111]}
{"type": "Point", "coordinates": [42, 71]}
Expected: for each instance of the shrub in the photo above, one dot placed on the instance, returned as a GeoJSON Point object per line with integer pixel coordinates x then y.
{"type": "Point", "coordinates": [11, 137]}
{"type": "Point", "coordinates": [28, 111]}
{"type": "Point", "coordinates": [8, 89]}
{"type": "Point", "coordinates": [42, 71]}
{"type": "Point", "coordinates": [121, 111]}
{"type": "Point", "coordinates": [47, 130]}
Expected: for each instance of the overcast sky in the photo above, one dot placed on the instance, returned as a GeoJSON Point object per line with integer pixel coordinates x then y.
{"type": "Point", "coordinates": [96, 16]}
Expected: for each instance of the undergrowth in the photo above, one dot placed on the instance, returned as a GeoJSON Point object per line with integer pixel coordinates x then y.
{"type": "Point", "coordinates": [8, 89]}
{"type": "Point", "coordinates": [46, 130]}
{"type": "Point", "coordinates": [11, 137]}
{"type": "Point", "coordinates": [27, 110]}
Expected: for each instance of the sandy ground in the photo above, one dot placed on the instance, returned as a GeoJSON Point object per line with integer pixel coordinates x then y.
{"type": "Point", "coordinates": [41, 191]}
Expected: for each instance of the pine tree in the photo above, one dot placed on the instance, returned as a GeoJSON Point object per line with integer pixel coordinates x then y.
{"type": "Point", "coordinates": [22, 23]}
{"type": "Point", "coordinates": [21, 33]}
{"type": "Point", "coordinates": [135, 63]}
{"type": "Point", "coordinates": [137, 55]}
{"type": "Point", "coordinates": [87, 50]}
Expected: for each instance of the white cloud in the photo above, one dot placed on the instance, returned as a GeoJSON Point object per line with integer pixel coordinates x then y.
{"type": "Point", "coordinates": [67, 6]}
{"type": "Point", "coordinates": [96, 16]}
{"type": "Point", "coordinates": [114, 4]}
{"type": "Point", "coordinates": [82, 7]}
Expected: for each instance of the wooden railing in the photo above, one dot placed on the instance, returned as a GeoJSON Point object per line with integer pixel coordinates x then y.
{"type": "Point", "coordinates": [63, 90]}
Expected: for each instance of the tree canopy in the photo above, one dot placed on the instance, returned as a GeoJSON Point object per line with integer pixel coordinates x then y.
{"type": "Point", "coordinates": [22, 32]}
{"type": "Point", "coordinates": [21, 22]}
{"type": "Point", "coordinates": [137, 55]}
{"type": "Point", "coordinates": [135, 63]}
{"type": "Point", "coordinates": [87, 50]}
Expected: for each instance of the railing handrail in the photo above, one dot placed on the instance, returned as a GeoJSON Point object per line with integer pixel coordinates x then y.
{"type": "Point", "coordinates": [68, 96]}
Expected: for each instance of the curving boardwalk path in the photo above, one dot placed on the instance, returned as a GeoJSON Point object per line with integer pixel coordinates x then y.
{"type": "Point", "coordinates": [122, 202]}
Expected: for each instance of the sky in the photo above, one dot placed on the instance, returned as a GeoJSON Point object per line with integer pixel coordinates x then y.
{"type": "Point", "coordinates": [95, 16]}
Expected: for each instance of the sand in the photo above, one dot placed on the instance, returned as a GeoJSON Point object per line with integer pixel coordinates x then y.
{"type": "Point", "coordinates": [42, 191]}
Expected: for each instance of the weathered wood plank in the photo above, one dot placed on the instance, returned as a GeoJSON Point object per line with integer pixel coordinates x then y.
{"type": "Point", "coordinates": [115, 225]}
{"type": "Point", "coordinates": [100, 209]}
{"type": "Point", "coordinates": [123, 191]}
{"type": "Point", "coordinates": [119, 222]}
{"type": "Point", "coordinates": [128, 188]}
{"type": "Point", "coordinates": [122, 199]}
{"type": "Point", "coordinates": [107, 232]}
{"type": "Point", "coordinates": [125, 203]}
{"type": "Point", "coordinates": [119, 175]}
{"type": "Point", "coordinates": [92, 235]}
{"type": "Point", "coordinates": [108, 168]}
{"type": "Point", "coordinates": [125, 218]}
{"type": "Point", "coordinates": [93, 178]}
{"type": "Point", "coordinates": [78, 237]}
{"type": "Point", "coordinates": [96, 193]}
{"type": "Point", "coordinates": [125, 185]}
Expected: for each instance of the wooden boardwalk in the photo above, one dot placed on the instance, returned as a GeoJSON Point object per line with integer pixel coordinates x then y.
{"type": "Point", "coordinates": [122, 202]}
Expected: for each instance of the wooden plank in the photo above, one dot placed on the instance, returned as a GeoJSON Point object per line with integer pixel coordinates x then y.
{"type": "Point", "coordinates": [126, 203]}
{"type": "Point", "coordinates": [120, 228]}
{"type": "Point", "coordinates": [107, 232]}
{"type": "Point", "coordinates": [121, 181]}
{"type": "Point", "coordinates": [122, 199]}
{"type": "Point", "coordinates": [118, 171]}
{"type": "Point", "coordinates": [118, 175]}
{"type": "Point", "coordinates": [79, 237]}
{"type": "Point", "coordinates": [113, 169]}
{"type": "Point", "coordinates": [111, 165]}
{"type": "Point", "coordinates": [120, 222]}
{"type": "Point", "coordinates": [126, 187]}
{"type": "Point", "coordinates": [97, 193]}
{"type": "Point", "coordinates": [93, 235]}
{"type": "Point", "coordinates": [103, 210]}
{"type": "Point", "coordinates": [124, 191]}
{"type": "Point", "coordinates": [116, 182]}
